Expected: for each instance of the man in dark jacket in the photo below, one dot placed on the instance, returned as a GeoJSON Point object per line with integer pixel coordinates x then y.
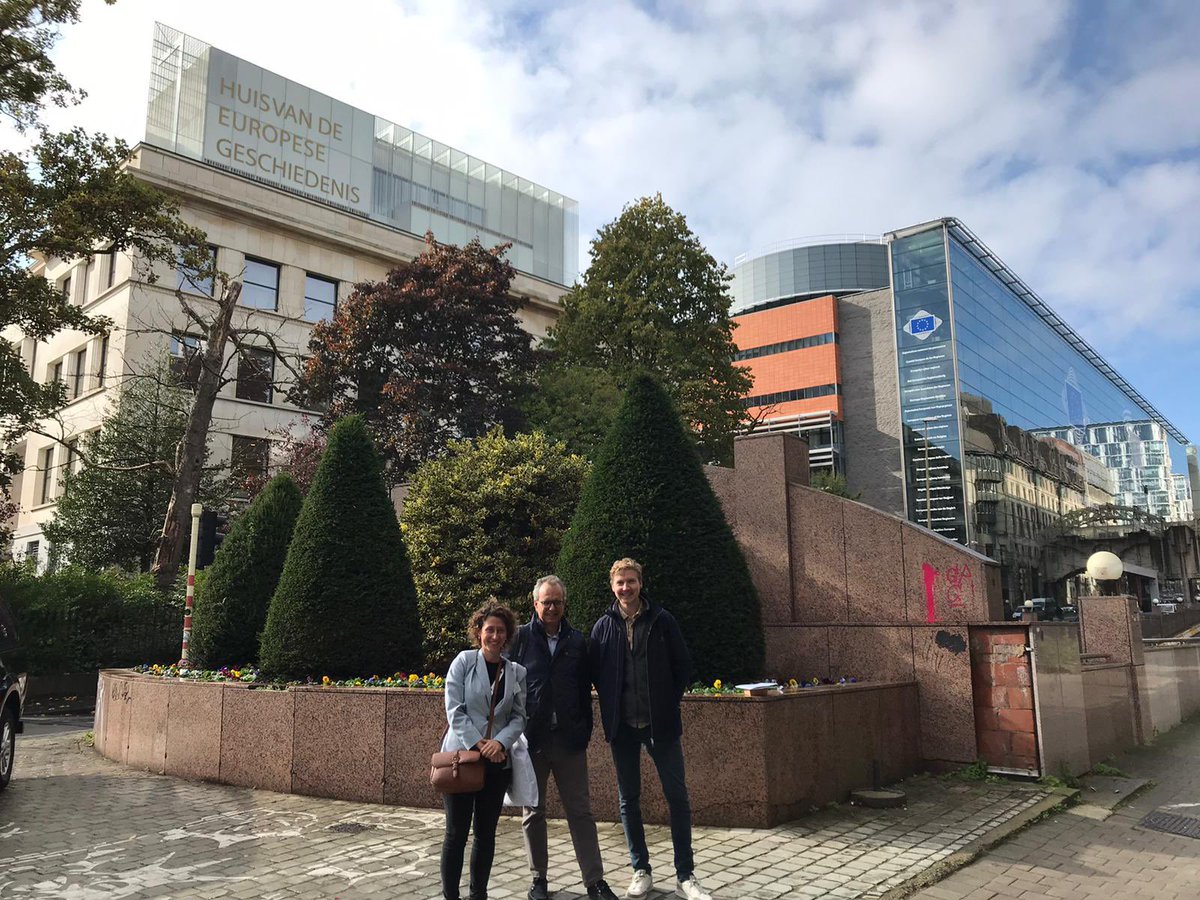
{"type": "Point", "coordinates": [559, 707]}
{"type": "Point", "coordinates": [641, 667]}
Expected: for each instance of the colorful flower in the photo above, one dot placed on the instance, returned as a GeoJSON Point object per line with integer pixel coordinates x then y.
{"type": "Point", "coordinates": [717, 684]}
{"type": "Point", "coordinates": [324, 679]}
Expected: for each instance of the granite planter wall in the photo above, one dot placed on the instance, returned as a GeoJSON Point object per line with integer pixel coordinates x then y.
{"type": "Point", "coordinates": [752, 761]}
{"type": "Point", "coordinates": [848, 589]}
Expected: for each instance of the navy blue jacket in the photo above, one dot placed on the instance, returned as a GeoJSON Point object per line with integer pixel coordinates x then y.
{"type": "Point", "coordinates": [670, 669]}
{"type": "Point", "coordinates": [560, 685]}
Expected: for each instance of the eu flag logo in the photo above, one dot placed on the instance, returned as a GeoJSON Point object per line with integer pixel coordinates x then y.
{"type": "Point", "coordinates": [922, 324]}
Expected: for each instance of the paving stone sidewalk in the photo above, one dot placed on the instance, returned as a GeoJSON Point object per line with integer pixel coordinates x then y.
{"type": "Point", "coordinates": [1071, 855]}
{"type": "Point", "coordinates": [74, 825]}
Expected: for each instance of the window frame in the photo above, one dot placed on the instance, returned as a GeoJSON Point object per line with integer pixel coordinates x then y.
{"type": "Point", "coordinates": [241, 443]}
{"type": "Point", "coordinates": [186, 283]}
{"type": "Point", "coordinates": [247, 384]}
{"type": "Point", "coordinates": [45, 470]}
{"type": "Point", "coordinates": [332, 306]}
{"type": "Point", "coordinates": [251, 260]}
{"type": "Point", "coordinates": [184, 373]}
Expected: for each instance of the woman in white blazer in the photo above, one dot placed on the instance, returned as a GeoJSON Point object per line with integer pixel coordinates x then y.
{"type": "Point", "coordinates": [469, 686]}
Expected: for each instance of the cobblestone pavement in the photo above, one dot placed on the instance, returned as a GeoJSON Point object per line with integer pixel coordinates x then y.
{"type": "Point", "coordinates": [74, 825]}
{"type": "Point", "coordinates": [1117, 858]}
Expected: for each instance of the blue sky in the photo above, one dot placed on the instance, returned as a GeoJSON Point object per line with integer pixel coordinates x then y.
{"type": "Point", "coordinates": [1066, 135]}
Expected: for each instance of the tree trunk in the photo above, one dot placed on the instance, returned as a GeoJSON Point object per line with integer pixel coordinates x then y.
{"type": "Point", "coordinates": [189, 457]}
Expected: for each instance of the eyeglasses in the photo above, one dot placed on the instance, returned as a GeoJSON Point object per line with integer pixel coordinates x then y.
{"type": "Point", "coordinates": [551, 603]}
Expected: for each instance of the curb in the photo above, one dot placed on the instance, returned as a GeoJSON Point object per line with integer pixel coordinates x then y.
{"type": "Point", "coordinates": [1059, 799]}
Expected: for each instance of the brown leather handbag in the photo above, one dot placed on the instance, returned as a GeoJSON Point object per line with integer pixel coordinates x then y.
{"type": "Point", "coordinates": [462, 771]}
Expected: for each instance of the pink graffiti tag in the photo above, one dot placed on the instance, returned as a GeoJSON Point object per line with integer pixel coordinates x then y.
{"type": "Point", "coordinates": [959, 586]}
{"type": "Point", "coordinates": [931, 575]}
{"type": "Point", "coordinates": [959, 583]}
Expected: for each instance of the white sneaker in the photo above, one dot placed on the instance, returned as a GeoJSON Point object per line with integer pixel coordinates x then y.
{"type": "Point", "coordinates": [691, 890]}
{"type": "Point", "coordinates": [642, 884]}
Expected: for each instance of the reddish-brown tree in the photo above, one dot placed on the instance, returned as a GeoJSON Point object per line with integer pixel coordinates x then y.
{"type": "Point", "coordinates": [432, 353]}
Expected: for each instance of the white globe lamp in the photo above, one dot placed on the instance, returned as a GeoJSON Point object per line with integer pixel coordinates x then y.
{"type": "Point", "coordinates": [1105, 566]}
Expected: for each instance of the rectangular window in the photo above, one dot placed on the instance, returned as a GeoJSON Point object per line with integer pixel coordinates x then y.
{"type": "Point", "coordinates": [46, 474]}
{"type": "Point", "coordinates": [320, 298]}
{"type": "Point", "coordinates": [65, 287]}
{"type": "Point", "coordinates": [197, 281]}
{"type": "Point", "coordinates": [250, 457]}
{"type": "Point", "coordinates": [101, 361]}
{"type": "Point", "coordinates": [110, 268]}
{"type": "Point", "coordinates": [256, 375]}
{"type": "Point", "coordinates": [87, 278]}
{"type": "Point", "coordinates": [56, 372]}
{"type": "Point", "coordinates": [33, 550]}
{"type": "Point", "coordinates": [78, 363]}
{"type": "Point", "coordinates": [187, 353]}
{"type": "Point", "coordinates": [260, 285]}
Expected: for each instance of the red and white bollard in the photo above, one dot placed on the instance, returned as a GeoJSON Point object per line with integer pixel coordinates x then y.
{"type": "Point", "coordinates": [190, 600]}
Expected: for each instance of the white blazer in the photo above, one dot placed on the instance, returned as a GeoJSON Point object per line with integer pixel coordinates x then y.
{"type": "Point", "coordinates": [468, 696]}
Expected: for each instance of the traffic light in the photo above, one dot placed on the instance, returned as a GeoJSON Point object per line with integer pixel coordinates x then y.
{"type": "Point", "coordinates": [213, 526]}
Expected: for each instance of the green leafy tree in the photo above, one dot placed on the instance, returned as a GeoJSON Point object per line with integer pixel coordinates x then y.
{"type": "Point", "coordinates": [231, 607]}
{"type": "Point", "coordinates": [574, 404]}
{"type": "Point", "coordinates": [112, 508]}
{"type": "Point", "coordinates": [433, 353]}
{"type": "Point", "coordinates": [345, 605]}
{"type": "Point", "coordinates": [486, 519]}
{"type": "Point", "coordinates": [833, 483]}
{"type": "Point", "coordinates": [648, 498]}
{"type": "Point", "coordinates": [66, 196]}
{"type": "Point", "coordinates": [654, 300]}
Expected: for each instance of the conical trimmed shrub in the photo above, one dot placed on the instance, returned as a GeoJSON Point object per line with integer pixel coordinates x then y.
{"type": "Point", "coordinates": [232, 601]}
{"type": "Point", "coordinates": [648, 498]}
{"type": "Point", "coordinates": [345, 605]}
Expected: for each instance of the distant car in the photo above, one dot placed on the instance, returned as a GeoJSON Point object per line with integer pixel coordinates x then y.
{"type": "Point", "coordinates": [13, 683]}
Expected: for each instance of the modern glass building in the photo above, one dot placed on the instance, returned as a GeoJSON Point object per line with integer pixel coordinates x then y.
{"type": "Point", "coordinates": [969, 330]}
{"type": "Point", "coordinates": [208, 105]}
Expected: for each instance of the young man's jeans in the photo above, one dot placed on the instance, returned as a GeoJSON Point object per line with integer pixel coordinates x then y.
{"type": "Point", "coordinates": [668, 759]}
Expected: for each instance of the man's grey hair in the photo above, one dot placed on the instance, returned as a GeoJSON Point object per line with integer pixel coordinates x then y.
{"type": "Point", "coordinates": [549, 579]}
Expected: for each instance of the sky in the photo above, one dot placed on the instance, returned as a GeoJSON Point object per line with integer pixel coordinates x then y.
{"type": "Point", "coordinates": [1066, 135]}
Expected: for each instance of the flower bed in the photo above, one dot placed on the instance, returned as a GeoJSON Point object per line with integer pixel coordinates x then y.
{"type": "Point", "coordinates": [248, 674]}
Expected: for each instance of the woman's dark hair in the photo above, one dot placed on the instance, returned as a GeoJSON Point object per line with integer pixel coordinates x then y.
{"type": "Point", "coordinates": [493, 607]}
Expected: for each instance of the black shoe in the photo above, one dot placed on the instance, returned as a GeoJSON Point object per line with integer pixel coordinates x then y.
{"type": "Point", "coordinates": [600, 891]}
{"type": "Point", "coordinates": [538, 890]}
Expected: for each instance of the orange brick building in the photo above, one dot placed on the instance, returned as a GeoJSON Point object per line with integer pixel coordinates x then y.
{"type": "Point", "coordinates": [786, 309]}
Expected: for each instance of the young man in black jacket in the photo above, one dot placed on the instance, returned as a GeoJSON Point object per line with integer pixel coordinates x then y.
{"type": "Point", "coordinates": [641, 667]}
{"type": "Point", "coordinates": [559, 708]}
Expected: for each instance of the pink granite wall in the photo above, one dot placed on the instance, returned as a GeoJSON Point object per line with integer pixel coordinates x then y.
{"type": "Point", "coordinates": [752, 762]}
{"type": "Point", "coordinates": [849, 590]}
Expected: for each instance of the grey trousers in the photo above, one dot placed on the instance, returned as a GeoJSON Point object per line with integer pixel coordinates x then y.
{"type": "Point", "coordinates": [571, 776]}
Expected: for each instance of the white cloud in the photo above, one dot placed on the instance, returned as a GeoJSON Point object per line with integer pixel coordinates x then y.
{"type": "Point", "coordinates": [1066, 138]}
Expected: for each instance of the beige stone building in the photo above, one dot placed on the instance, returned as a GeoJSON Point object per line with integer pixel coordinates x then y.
{"type": "Point", "coordinates": [287, 230]}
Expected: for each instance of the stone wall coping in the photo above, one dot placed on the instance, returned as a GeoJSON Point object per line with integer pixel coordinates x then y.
{"type": "Point", "coordinates": [1099, 666]}
{"type": "Point", "coordinates": [789, 694]}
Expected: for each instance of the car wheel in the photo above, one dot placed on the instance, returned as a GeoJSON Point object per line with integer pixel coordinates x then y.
{"type": "Point", "coordinates": [8, 745]}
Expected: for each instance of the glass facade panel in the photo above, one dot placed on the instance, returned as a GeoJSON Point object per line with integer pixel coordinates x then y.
{"type": "Point", "coordinates": [1030, 376]}
{"type": "Point", "coordinates": [928, 396]}
{"type": "Point", "coordinates": [210, 106]}
{"type": "Point", "coordinates": [809, 271]}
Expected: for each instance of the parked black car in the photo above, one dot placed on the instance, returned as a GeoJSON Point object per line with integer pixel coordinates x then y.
{"type": "Point", "coordinates": [13, 682]}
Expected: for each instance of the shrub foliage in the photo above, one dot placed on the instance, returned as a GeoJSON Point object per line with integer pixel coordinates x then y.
{"type": "Point", "coordinates": [648, 498]}
{"type": "Point", "coordinates": [345, 604]}
{"type": "Point", "coordinates": [487, 519]}
{"type": "Point", "coordinates": [231, 607]}
{"type": "Point", "coordinates": [77, 621]}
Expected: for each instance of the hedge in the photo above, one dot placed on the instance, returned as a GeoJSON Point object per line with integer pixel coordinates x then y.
{"type": "Point", "coordinates": [77, 621]}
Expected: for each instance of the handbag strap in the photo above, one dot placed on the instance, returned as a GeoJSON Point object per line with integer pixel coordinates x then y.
{"type": "Point", "coordinates": [492, 708]}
